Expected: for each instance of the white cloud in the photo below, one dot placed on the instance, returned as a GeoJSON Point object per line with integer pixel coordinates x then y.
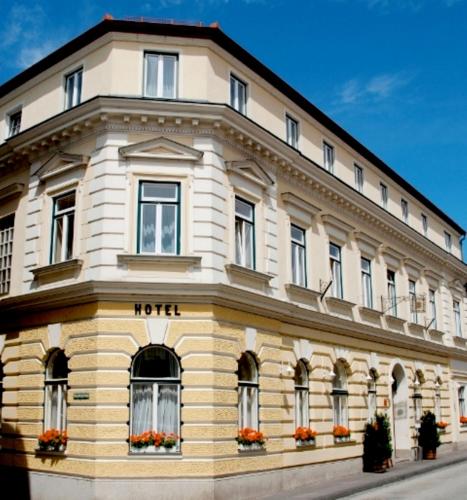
{"type": "Point", "coordinates": [376, 88]}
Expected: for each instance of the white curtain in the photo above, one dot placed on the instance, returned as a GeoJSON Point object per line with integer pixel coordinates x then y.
{"type": "Point", "coordinates": [167, 409]}
{"type": "Point", "coordinates": [142, 419]}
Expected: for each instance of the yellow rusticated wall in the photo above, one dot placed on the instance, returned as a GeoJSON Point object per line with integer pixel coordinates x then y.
{"type": "Point", "coordinates": [100, 341]}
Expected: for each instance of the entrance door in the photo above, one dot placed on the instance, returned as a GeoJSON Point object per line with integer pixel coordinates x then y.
{"type": "Point", "coordinates": [400, 414]}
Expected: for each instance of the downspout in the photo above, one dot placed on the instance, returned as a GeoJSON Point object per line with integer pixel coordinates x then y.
{"type": "Point", "coordinates": [461, 240]}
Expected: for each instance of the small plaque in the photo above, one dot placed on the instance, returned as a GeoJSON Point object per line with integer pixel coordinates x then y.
{"type": "Point", "coordinates": [79, 396]}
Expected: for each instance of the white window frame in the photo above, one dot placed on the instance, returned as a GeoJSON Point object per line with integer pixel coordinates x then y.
{"type": "Point", "coordinates": [461, 400]}
{"type": "Point", "coordinates": [340, 396]}
{"type": "Point", "coordinates": [156, 382]}
{"type": "Point", "coordinates": [359, 178]}
{"type": "Point", "coordinates": [413, 300]}
{"type": "Point", "coordinates": [298, 257]}
{"type": "Point", "coordinates": [302, 396]}
{"type": "Point", "coordinates": [383, 189]}
{"type": "Point", "coordinates": [248, 396]}
{"type": "Point", "coordinates": [6, 251]}
{"type": "Point", "coordinates": [159, 203]}
{"type": "Point", "coordinates": [405, 210]}
{"type": "Point", "coordinates": [424, 224]}
{"type": "Point", "coordinates": [335, 262]}
{"type": "Point", "coordinates": [367, 282]}
{"type": "Point", "coordinates": [68, 215]}
{"type": "Point", "coordinates": [292, 131]}
{"type": "Point", "coordinates": [237, 88]}
{"type": "Point", "coordinates": [161, 68]}
{"type": "Point", "coordinates": [456, 309]}
{"type": "Point", "coordinates": [329, 157]}
{"type": "Point", "coordinates": [14, 128]}
{"type": "Point", "coordinates": [60, 386]}
{"type": "Point", "coordinates": [73, 84]}
{"type": "Point", "coordinates": [243, 251]}
{"type": "Point", "coordinates": [448, 241]}
{"type": "Point", "coordinates": [392, 291]}
{"type": "Point", "coordinates": [432, 301]}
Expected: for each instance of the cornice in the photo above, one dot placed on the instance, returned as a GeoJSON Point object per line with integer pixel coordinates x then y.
{"type": "Point", "coordinates": [102, 114]}
{"type": "Point", "coordinates": [223, 295]}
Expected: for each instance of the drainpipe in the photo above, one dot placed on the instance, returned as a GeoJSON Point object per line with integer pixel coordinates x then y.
{"type": "Point", "coordinates": [461, 240]}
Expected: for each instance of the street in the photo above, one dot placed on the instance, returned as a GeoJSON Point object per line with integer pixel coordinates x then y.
{"type": "Point", "coordinates": [448, 482]}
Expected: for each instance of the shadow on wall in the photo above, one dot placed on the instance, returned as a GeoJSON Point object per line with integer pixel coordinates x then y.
{"type": "Point", "coordinates": [14, 476]}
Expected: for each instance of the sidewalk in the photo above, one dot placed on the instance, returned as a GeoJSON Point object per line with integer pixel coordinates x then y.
{"type": "Point", "coordinates": [356, 483]}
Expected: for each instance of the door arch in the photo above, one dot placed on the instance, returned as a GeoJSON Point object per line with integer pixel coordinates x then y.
{"type": "Point", "coordinates": [399, 391]}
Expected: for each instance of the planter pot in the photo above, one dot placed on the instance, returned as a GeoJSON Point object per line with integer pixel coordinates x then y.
{"type": "Point", "coordinates": [388, 463]}
{"type": "Point", "coordinates": [307, 442]}
{"type": "Point", "coordinates": [51, 449]}
{"type": "Point", "coordinates": [153, 449]}
{"type": "Point", "coordinates": [429, 454]}
{"type": "Point", "coordinates": [250, 447]}
{"type": "Point", "coordinates": [341, 439]}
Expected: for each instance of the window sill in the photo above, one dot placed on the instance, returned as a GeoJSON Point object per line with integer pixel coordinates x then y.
{"type": "Point", "coordinates": [344, 441]}
{"type": "Point", "coordinates": [154, 451]}
{"type": "Point", "coordinates": [459, 341]}
{"type": "Point", "coordinates": [416, 329]}
{"type": "Point", "coordinates": [300, 445]}
{"type": "Point", "coordinates": [249, 276]}
{"type": "Point", "coordinates": [58, 271]}
{"type": "Point", "coordinates": [370, 315]}
{"type": "Point", "coordinates": [394, 323]}
{"type": "Point", "coordinates": [159, 262]}
{"type": "Point", "coordinates": [340, 307]}
{"type": "Point", "coordinates": [436, 335]}
{"type": "Point", "coordinates": [251, 448]}
{"type": "Point", "coordinates": [302, 294]}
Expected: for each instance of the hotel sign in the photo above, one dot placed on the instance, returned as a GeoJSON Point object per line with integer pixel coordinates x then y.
{"type": "Point", "coordinates": [157, 309]}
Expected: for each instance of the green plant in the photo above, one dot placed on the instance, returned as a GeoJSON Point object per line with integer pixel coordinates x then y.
{"type": "Point", "coordinates": [428, 437]}
{"type": "Point", "coordinates": [376, 443]}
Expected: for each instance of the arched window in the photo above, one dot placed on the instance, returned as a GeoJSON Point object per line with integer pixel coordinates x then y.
{"type": "Point", "coordinates": [56, 380]}
{"type": "Point", "coordinates": [372, 401]}
{"type": "Point", "coordinates": [155, 392]}
{"type": "Point", "coordinates": [340, 395]}
{"type": "Point", "coordinates": [302, 412]}
{"type": "Point", "coordinates": [248, 392]}
{"type": "Point", "coordinates": [461, 401]}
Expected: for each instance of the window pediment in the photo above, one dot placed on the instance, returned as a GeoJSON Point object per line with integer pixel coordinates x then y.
{"type": "Point", "coordinates": [433, 278]}
{"type": "Point", "coordinates": [413, 267]}
{"type": "Point", "coordinates": [392, 257]}
{"type": "Point", "coordinates": [367, 245]}
{"type": "Point", "coordinates": [337, 229]}
{"type": "Point", "coordinates": [161, 148]}
{"type": "Point", "coordinates": [250, 169]}
{"type": "Point", "coordinates": [60, 163]}
{"type": "Point", "coordinates": [299, 208]}
{"type": "Point", "coordinates": [11, 191]}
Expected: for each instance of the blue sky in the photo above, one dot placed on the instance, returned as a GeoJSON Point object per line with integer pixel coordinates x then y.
{"type": "Point", "coordinates": [391, 72]}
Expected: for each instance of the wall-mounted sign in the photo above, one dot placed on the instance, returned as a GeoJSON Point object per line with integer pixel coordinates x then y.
{"type": "Point", "coordinates": [157, 309]}
{"type": "Point", "coordinates": [79, 396]}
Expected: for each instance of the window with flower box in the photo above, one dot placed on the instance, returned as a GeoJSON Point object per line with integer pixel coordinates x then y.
{"type": "Point", "coordinates": [248, 388]}
{"type": "Point", "coordinates": [56, 383]}
{"type": "Point", "coordinates": [155, 400]}
{"type": "Point", "coordinates": [461, 400]}
{"type": "Point", "coordinates": [340, 395]}
{"type": "Point", "coordinates": [302, 405]}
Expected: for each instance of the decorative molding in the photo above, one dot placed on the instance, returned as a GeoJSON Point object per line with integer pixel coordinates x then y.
{"type": "Point", "coordinates": [250, 339]}
{"type": "Point", "coordinates": [368, 245]}
{"type": "Point", "coordinates": [303, 349]}
{"type": "Point", "coordinates": [298, 208]}
{"type": "Point", "coordinates": [161, 148]}
{"type": "Point", "coordinates": [157, 330]}
{"type": "Point", "coordinates": [394, 322]}
{"type": "Point", "coordinates": [55, 272]}
{"type": "Point", "coordinates": [54, 332]}
{"type": "Point", "coordinates": [248, 274]}
{"type": "Point", "coordinates": [11, 191]}
{"type": "Point", "coordinates": [459, 341]}
{"type": "Point", "coordinates": [416, 329]}
{"type": "Point", "coordinates": [159, 262]}
{"type": "Point", "coordinates": [252, 170]}
{"type": "Point", "coordinates": [413, 267]}
{"type": "Point", "coordinates": [302, 294]}
{"type": "Point", "coordinates": [436, 335]}
{"type": "Point", "coordinates": [392, 257]}
{"type": "Point", "coordinates": [342, 354]}
{"type": "Point", "coordinates": [433, 278]}
{"type": "Point", "coordinates": [336, 229]}
{"type": "Point", "coordinates": [60, 163]}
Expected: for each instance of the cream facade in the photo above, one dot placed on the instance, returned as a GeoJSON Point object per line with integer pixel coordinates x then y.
{"type": "Point", "coordinates": [267, 249]}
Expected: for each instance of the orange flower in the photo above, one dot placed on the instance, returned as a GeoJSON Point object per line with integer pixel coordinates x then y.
{"type": "Point", "coordinates": [153, 438]}
{"type": "Point", "coordinates": [52, 440]}
{"type": "Point", "coordinates": [463, 420]}
{"type": "Point", "coordinates": [304, 434]}
{"type": "Point", "coordinates": [441, 424]}
{"type": "Point", "coordinates": [340, 431]}
{"type": "Point", "coordinates": [248, 436]}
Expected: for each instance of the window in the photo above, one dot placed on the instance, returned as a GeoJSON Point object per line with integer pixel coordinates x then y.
{"type": "Point", "coordinates": [248, 392]}
{"type": "Point", "coordinates": [298, 255]}
{"type": "Point", "coordinates": [56, 380]}
{"type": "Point", "coordinates": [340, 395]}
{"type": "Point", "coordinates": [425, 224]}
{"type": "Point", "coordinates": [73, 84]}
{"type": "Point", "coordinates": [155, 392]}
{"type": "Point", "coordinates": [14, 123]}
{"type": "Point", "coordinates": [417, 399]}
{"type": "Point", "coordinates": [63, 227]}
{"type": "Point", "coordinates": [159, 218]}
{"type": "Point", "coordinates": [238, 94]}
{"type": "Point", "coordinates": [292, 131]}
{"type": "Point", "coordinates": [384, 195]}
{"type": "Point", "coordinates": [438, 400]}
{"type": "Point", "coordinates": [405, 210]}
{"type": "Point", "coordinates": [358, 171]}
{"type": "Point", "coordinates": [447, 241]}
{"type": "Point", "coordinates": [457, 318]}
{"type": "Point", "coordinates": [328, 152]}
{"type": "Point", "coordinates": [1, 392]}
{"type": "Point", "coordinates": [366, 283]}
{"type": "Point", "coordinates": [372, 401]}
{"type": "Point", "coordinates": [244, 233]}
{"type": "Point", "coordinates": [160, 75]}
{"type": "Point", "coordinates": [460, 395]}
{"type": "Point", "coordinates": [302, 415]}
{"type": "Point", "coordinates": [392, 297]}
{"type": "Point", "coordinates": [336, 270]}
{"type": "Point", "coordinates": [432, 300]}
{"type": "Point", "coordinates": [6, 252]}
{"type": "Point", "coordinates": [413, 301]}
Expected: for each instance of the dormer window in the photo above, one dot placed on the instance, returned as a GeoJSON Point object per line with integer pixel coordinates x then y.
{"type": "Point", "coordinates": [14, 123]}
{"type": "Point", "coordinates": [160, 75]}
{"type": "Point", "coordinates": [292, 131]}
{"type": "Point", "coordinates": [238, 94]}
{"type": "Point", "coordinates": [73, 85]}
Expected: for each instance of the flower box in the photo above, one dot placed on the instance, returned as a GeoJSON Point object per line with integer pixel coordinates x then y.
{"type": "Point", "coordinates": [52, 441]}
{"type": "Point", "coordinates": [152, 449]}
{"type": "Point", "coordinates": [304, 436]}
{"type": "Point", "coordinates": [154, 442]}
{"type": "Point", "coordinates": [250, 440]}
{"type": "Point", "coordinates": [251, 447]}
{"type": "Point", "coordinates": [301, 443]}
{"type": "Point", "coordinates": [342, 439]}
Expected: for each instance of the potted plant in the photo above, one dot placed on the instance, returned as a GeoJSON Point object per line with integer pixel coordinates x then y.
{"type": "Point", "coordinates": [304, 436]}
{"type": "Point", "coordinates": [249, 439]}
{"type": "Point", "coordinates": [341, 434]}
{"type": "Point", "coordinates": [153, 442]}
{"type": "Point", "coordinates": [428, 437]}
{"type": "Point", "coordinates": [53, 440]}
{"type": "Point", "coordinates": [463, 420]}
{"type": "Point", "coordinates": [377, 449]}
